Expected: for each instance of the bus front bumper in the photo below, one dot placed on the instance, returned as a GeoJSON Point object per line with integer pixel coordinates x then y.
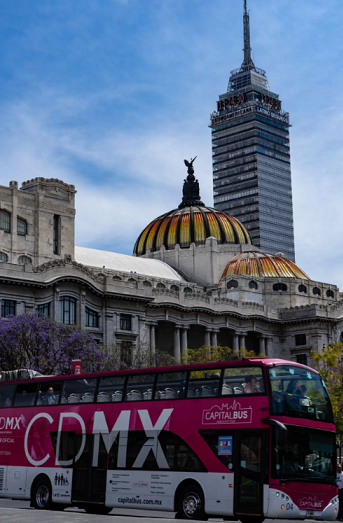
{"type": "Point", "coordinates": [281, 505]}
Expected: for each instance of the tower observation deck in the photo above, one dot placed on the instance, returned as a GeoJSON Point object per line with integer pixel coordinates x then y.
{"type": "Point", "coordinates": [251, 156]}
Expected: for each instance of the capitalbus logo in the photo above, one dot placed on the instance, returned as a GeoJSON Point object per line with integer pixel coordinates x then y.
{"type": "Point", "coordinates": [311, 502]}
{"type": "Point", "coordinates": [227, 414]}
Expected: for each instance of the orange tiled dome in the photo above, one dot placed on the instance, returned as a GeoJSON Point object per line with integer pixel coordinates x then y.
{"type": "Point", "coordinates": [264, 265]}
{"type": "Point", "coordinates": [192, 224]}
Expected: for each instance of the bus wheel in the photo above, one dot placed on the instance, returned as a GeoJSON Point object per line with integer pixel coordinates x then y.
{"type": "Point", "coordinates": [97, 509]}
{"type": "Point", "coordinates": [190, 503]}
{"type": "Point", "coordinates": [41, 494]}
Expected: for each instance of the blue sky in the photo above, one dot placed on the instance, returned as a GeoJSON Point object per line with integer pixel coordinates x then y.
{"type": "Point", "coordinates": [112, 95]}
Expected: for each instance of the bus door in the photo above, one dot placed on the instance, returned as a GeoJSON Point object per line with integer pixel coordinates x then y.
{"type": "Point", "coordinates": [89, 483]}
{"type": "Point", "coordinates": [250, 464]}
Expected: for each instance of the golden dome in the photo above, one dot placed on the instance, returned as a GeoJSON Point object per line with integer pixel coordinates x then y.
{"type": "Point", "coordinates": [263, 265]}
{"type": "Point", "coordinates": [190, 225]}
{"type": "Point", "coordinates": [192, 222]}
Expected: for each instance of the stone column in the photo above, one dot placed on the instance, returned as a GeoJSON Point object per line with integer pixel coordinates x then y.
{"type": "Point", "coordinates": [269, 347]}
{"type": "Point", "coordinates": [152, 339]}
{"type": "Point", "coordinates": [57, 304]}
{"type": "Point", "coordinates": [214, 341]}
{"type": "Point", "coordinates": [262, 345]}
{"type": "Point", "coordinates": [177, 343]}
{"type": "Point", "coordinates": [184, 340]}
{"type": "Point", "coordinates": [109, 328]}
{"type": "Point", "coordinates": [207, 340]}
{"type": "Point", "coordinates": [83, 309]}
{"type": "Point", "coordinates": [242, 341]}
{"type": "Point", "coordinates": [235, 346]}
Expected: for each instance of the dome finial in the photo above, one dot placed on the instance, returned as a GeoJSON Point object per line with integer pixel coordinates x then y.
{"type": "Point", "coordinates": [191, 194]}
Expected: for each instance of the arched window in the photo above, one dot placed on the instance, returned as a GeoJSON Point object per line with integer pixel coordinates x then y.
{"type": "Point", "coordinates": [131, 280]}
{"type": "Point", "coordinates": [279, 287]}
{"type": "Point", "coordinates": [21, 227]}
{"type": "Point", "coordinates": [5, 221]}
{"type": "Point", "coordinates": [253, 285]}
{"type": "Point", "coordinates": [3, 257]}
{"type": "Point", "coordinates": [330, 293]}
{"type": "Point", "coordinates": [44, 310]}
{"type": "Point", "coordinates": [67, 310]}
{"type": "Point", "coordinates": [24, 260]}
{"type": "Point", "coordinates": [117, 278]}
{"type": "Point", "coordinates": [174, 288]}
{"type": "Point", "coordinates": [232, 284]}
{"type": "Point", "coordinates": [160, 286]}
{"type": "Point", "coordinates": [302, 288]}
{"type": "Point", "coordinates": [187, 290]}
{"type": "Point", "coordinates": [146, 283]}
{"type": "Point", "coordinates": [92, 318]}
{"type": "Point", "coordinates": [316, 291]}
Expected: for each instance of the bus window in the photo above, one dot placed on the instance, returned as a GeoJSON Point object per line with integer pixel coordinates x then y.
{"type": "Point", "coordinates": [170, 385]}
{"type": "Point", "coordinates": [204, 383]}
{"type": "Point", "coordinates": [6, 395]}
{"type": "Point", "coordinates": [139, 387]}
{"type": "Point", "coordinates": [79, 391]}
{"type": "Point", "coordinates": [111, 388]}
{"type": "Point", "coordinates": [299, 392]}
{"type": "Point", "coordinates": [243, 380]}
{"type": "Point", "coordinates": [25, 395]}
{"type": "Point", "coordinates": [49, 393]}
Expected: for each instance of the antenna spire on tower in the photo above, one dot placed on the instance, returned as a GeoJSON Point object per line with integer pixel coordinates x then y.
{"type": "Point", "coordinates": [247, 62]}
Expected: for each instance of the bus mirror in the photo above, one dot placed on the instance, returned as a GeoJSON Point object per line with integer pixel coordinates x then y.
{"type": "Point", "coordinates": [274, 423]}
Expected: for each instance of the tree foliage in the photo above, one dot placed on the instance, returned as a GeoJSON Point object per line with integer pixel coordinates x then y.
{"type": "Point", "coordinates": [138, 357]}
{"type": "Point", "coordinates": [208, 354]}
{"type": "Point", "coordinates": [39, 343]}
{"type": "Point", "coordinates": [329, 362]}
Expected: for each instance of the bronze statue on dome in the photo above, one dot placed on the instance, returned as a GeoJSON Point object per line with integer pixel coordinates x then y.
{"type": "Point", "coordinates": [191, 189]}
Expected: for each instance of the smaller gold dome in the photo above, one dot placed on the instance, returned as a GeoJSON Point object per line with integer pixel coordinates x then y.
{"type": "Point", "coordinates": [263, 265]}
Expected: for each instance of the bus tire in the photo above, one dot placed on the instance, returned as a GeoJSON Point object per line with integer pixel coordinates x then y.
{"type": "Point", "coordinates": [97, 509]}
{"type": "Point", "coordinates": [191, 503]}
{"type": "Point", "coordinates": [41, 497]}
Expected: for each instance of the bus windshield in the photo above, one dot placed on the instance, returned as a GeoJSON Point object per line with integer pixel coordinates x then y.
{"type": "Point", "coordinates": [303, 454]}
{"type": "Point", "coordinates": [300, 393]}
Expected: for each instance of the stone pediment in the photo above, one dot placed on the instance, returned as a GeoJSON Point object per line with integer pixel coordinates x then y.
{"type": "Point", "coordinates": [67, 261]}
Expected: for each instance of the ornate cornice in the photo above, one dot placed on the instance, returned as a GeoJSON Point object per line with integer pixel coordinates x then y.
{"type": "Point", "coordinates": [68, 261]}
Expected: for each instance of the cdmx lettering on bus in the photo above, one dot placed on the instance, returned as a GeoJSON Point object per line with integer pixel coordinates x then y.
{"type": "Point", "coordinates": [100, 429]}
{"type": "Point", "coordinates": [10, 423]}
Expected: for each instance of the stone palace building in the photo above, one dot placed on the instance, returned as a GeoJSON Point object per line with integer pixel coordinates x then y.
{"type": "Point", "coordinates": [194, 279]}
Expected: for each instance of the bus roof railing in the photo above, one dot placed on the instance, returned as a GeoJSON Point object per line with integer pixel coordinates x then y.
{"type": "Point", "coordinates": [19, 374]}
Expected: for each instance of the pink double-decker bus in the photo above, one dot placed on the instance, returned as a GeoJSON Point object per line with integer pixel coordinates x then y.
{"type": "Point", "coordinates": [245, 440]}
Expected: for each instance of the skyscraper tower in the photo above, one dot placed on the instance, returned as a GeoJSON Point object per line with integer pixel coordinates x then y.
{"type": "Point", "coordinates": [251, 156]}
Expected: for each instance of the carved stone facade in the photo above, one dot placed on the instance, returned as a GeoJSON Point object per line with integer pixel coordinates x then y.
{"type": "Point", "coordinates": [169, 299]}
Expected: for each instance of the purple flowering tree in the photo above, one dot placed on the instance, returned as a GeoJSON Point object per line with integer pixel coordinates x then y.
{"type": "Point", "coordinates": [39, 343]}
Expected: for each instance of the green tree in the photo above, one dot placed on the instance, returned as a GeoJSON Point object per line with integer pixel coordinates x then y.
{"type": "Point", "coordinates": [208, 354]}
{"type": "Point", "coordinates": [329, 362]}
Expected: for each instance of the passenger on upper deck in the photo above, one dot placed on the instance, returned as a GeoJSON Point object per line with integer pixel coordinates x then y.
{"type": "Point", "coordinates": [251, 385]}
{"type": "Point", "coordinates": [49, 398]}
